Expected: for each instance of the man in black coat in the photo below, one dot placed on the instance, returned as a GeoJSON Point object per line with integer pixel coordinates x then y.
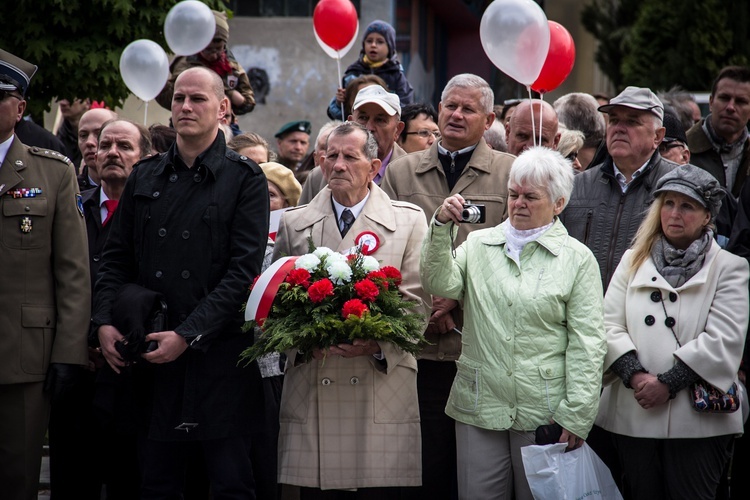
{"type": "Point", "coordinates": [192, 224]}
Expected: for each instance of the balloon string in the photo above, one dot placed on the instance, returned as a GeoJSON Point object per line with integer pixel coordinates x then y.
{"type": "Point", "coordinates": [145, 114]}
{"type": "Point", "coordinates": [541, 110]}
{"type": "Point", "coordinates": [531, 110]}
{"type": "Point", "coordinates": [338, 65]}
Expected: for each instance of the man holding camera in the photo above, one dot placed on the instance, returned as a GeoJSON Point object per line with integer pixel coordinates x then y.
{"type": "Point", "coordinates": [461, 162]}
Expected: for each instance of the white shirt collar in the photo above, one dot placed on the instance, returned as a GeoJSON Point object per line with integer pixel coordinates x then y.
{"type": "Point", "coordinates": [621, 177]}
{"type": "Point", "coordinates": [4, 148]}
{"type": "Point", "coordinates": [356, 209]}
{"type": "Point", "coordinates": [444, 151]}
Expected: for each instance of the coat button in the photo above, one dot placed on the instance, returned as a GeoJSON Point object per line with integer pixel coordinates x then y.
{"type": "Point", "coordinates": [510, 372]}
{"type": "Point", "coordinates": [185, 235]}
{"type": "Point", "coordinates": [49, 321]}
{"type": "Point", "coordinates": [672, 297]}
{"type": "Point", "coordinates": [156, 194]}
{"type": "Point", "coordinates": [158, 274]}
{"type": "Point", "coordinates": [197, 177]}
{"type": "Point", "coordinates": [185, 274]}
{"type": "Point", "coordinates": [173, 178]}
{"type": "Point", "coordinates": [653, 278]}
{"type": "Point", "coordinates": [548, 371]}
{"type": "Point", "coordinates": [162, 232]}
{"type": "Point", "coordinates": [656, 296]}
{"type": "Point", "coordinates": [96, 258]}
{"type": "Point", "coordinates": [243, 157]}
{"type": "Point", "coordinates": [441, 356]}
{"type": "Point", "coordinates": [326, 381]}
{"type": "Point", "coordinates": [650, 320]}
{"type": "Point", "coordinates": [670, 322]}
{"type": "Point", "coordinates": [27, 208]}
{"type": "Point", "coordinates": [508, 338]}
{"type": "Point", "coordinates": [354, 381]}
{"type": "Point", "coordinates": [512, 405]}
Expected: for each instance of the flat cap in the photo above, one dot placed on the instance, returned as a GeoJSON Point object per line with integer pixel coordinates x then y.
{"type": "Point", "coordinates": [636, 98]}
{"type": "Point", "coordinates": [15, 73]}
{"type": "Point", "coordinates": [298, 126]}
{"type": "Point", "coordinates": [376, 94]}
{"type": "Point", "coordinates": [695, 183]}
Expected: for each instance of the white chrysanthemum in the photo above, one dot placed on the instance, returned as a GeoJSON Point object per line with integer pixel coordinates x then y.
{"type": "Point", "coordinates": [370, 263]}
{"type": "Point", "coordinates": [308, 262]}
{"type": "Point", "coordinates": [335, 257]}
{"type": "Point", "coordinates": [340, 272]}
{"type": "Point", "coordinates": [321, 252]}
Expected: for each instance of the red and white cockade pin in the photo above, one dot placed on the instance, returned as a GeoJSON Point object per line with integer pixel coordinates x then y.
{"type": "Point", "coordinates": [368, 242]}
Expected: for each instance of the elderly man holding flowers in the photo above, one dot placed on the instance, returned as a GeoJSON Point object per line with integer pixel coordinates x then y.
{"type": "Point", "coordinates": [349, 411]}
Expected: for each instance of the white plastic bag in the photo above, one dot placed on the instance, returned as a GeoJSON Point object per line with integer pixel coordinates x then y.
{"type": "Point", "coordinates": [576, 475]}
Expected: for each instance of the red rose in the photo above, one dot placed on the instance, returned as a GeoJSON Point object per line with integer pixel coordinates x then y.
{"type": "Point", "coordinates": [320, 290]}
{"type": "Point", "coordinates": [378, 277]}
{"type": "Point", "coordinates": [355, 307]}
{"type": "Point", "coordinates": [298, 277]}
{"type": "Point", "coordinates": [351, 257]}
{"type": "Point", "coordinates": [392, 273]}
{"type": "Point", "coordinates": [366, 290]}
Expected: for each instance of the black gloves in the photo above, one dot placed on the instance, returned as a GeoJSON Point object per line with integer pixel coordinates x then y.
{"type": "Point", "coordinates": [61, 378]}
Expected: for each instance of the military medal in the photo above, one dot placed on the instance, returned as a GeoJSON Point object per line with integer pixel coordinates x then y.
{"type": "Point", "coordinates": [26, 225]}
{"type": "Point", "coordinates": [25, 192]}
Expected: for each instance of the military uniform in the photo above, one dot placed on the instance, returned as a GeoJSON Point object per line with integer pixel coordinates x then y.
{"type": "Point", "coordinates": [44, 300]}
{"type": "Point", "coordinates": [44, 291]}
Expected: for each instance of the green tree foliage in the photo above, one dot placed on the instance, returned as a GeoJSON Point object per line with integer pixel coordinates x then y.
{"type": "Point", "coordinates": [77, 43]}
{"type": "Point", "coordinates": [661, 43]}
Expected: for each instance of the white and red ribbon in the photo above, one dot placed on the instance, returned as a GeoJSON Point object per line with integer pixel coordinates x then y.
{"type": "Point", "coordinates": [264, 292]}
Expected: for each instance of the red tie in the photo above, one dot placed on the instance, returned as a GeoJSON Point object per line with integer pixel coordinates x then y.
{"type": "Point", "coordinates": [111, 206]}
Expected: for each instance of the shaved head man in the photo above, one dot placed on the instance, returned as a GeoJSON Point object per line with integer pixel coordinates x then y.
{"type": "Point", "coordinates": [522, 133]}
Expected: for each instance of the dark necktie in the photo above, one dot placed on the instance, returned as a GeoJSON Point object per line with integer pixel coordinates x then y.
{"type": "Point", "coordinates": [111, 206]}
{"type": "Point", "coordinates": [346, 221]}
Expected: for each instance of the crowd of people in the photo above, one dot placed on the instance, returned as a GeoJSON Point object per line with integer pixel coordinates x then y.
{"type": "Point", "coordinates": [601, 298]}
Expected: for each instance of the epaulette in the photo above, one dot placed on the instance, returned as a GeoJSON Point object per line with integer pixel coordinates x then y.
{"type": "Point", "coordinates": [233, 155]}
{"type": "Point", "coordinates": [405, 204]}
{"type": "Point", "coordinates": [49, 153]}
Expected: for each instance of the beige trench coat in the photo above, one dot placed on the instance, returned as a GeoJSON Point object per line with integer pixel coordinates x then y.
{"type": "Point", "coordinates": [351, 423]}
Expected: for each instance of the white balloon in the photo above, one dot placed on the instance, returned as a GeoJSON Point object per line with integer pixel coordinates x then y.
{"type": "Point", "coordinates": [515, 36]}
{"type": "Point", "coordinates": [334, 53]}
{"type": "Point", "coordinates": [144, 68]}
{"type": "Point", "coordinates": [189, 27]}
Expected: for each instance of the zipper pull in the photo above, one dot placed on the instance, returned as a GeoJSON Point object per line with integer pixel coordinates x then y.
{"type": "Point", "coordinates": [453, 163]}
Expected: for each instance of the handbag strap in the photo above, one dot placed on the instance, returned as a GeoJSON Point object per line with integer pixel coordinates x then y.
{"type": "Point", "coordinates": [666, 317]}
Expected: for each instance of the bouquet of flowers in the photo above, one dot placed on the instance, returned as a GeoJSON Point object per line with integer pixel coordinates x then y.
{"type": "Point", "coordinates": [330, 298]}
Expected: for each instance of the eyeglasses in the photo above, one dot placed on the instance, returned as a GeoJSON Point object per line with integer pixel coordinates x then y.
{"type": "Point", "coordinates": [666, 146]}
{"type": "Point", "coordinates": [11, 93]}
{"type": "Point", "coordinates": [424, 133]}
{"type": "Point", "coordinates": [572, 156]}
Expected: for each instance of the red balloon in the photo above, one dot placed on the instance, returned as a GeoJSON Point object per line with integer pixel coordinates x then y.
{"type": "Point", "coordinates": [335, 22]}
{"type": "Point", "coordinates": [559, 62]}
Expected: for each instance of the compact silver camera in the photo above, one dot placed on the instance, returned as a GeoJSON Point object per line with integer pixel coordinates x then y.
{"type": "Point", "coordinates": [473, 214]}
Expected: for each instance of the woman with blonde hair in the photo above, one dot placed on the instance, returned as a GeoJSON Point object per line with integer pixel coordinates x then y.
{"type": "Point", "coordinates": [676, 314]}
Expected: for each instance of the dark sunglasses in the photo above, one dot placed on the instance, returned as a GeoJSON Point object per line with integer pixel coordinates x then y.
{"type": "Point", "coordinates": [666, 146]}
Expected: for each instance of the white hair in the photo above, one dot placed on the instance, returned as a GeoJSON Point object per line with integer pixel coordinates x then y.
{"type": "Point", "coordinates": [543, 168]}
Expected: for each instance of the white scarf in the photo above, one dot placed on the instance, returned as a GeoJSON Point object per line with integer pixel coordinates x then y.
{"type": "Point", "coordinates": [518, 238]}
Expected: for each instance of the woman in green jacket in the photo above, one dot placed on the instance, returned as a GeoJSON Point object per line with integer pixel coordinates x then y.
{"type": "Point", "coordinates": [533, 339]}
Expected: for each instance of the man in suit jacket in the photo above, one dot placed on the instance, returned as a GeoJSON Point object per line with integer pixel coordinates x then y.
{"type": "Point", "coordinates": [81, 445]}
{"type": "Point", "coordinates": [44, 294]}
{"type": "Point", "coordinates": [371, 394]}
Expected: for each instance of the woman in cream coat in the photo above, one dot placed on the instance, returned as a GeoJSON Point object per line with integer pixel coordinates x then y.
{"type": "Point", "coordinates": [676, 311]}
